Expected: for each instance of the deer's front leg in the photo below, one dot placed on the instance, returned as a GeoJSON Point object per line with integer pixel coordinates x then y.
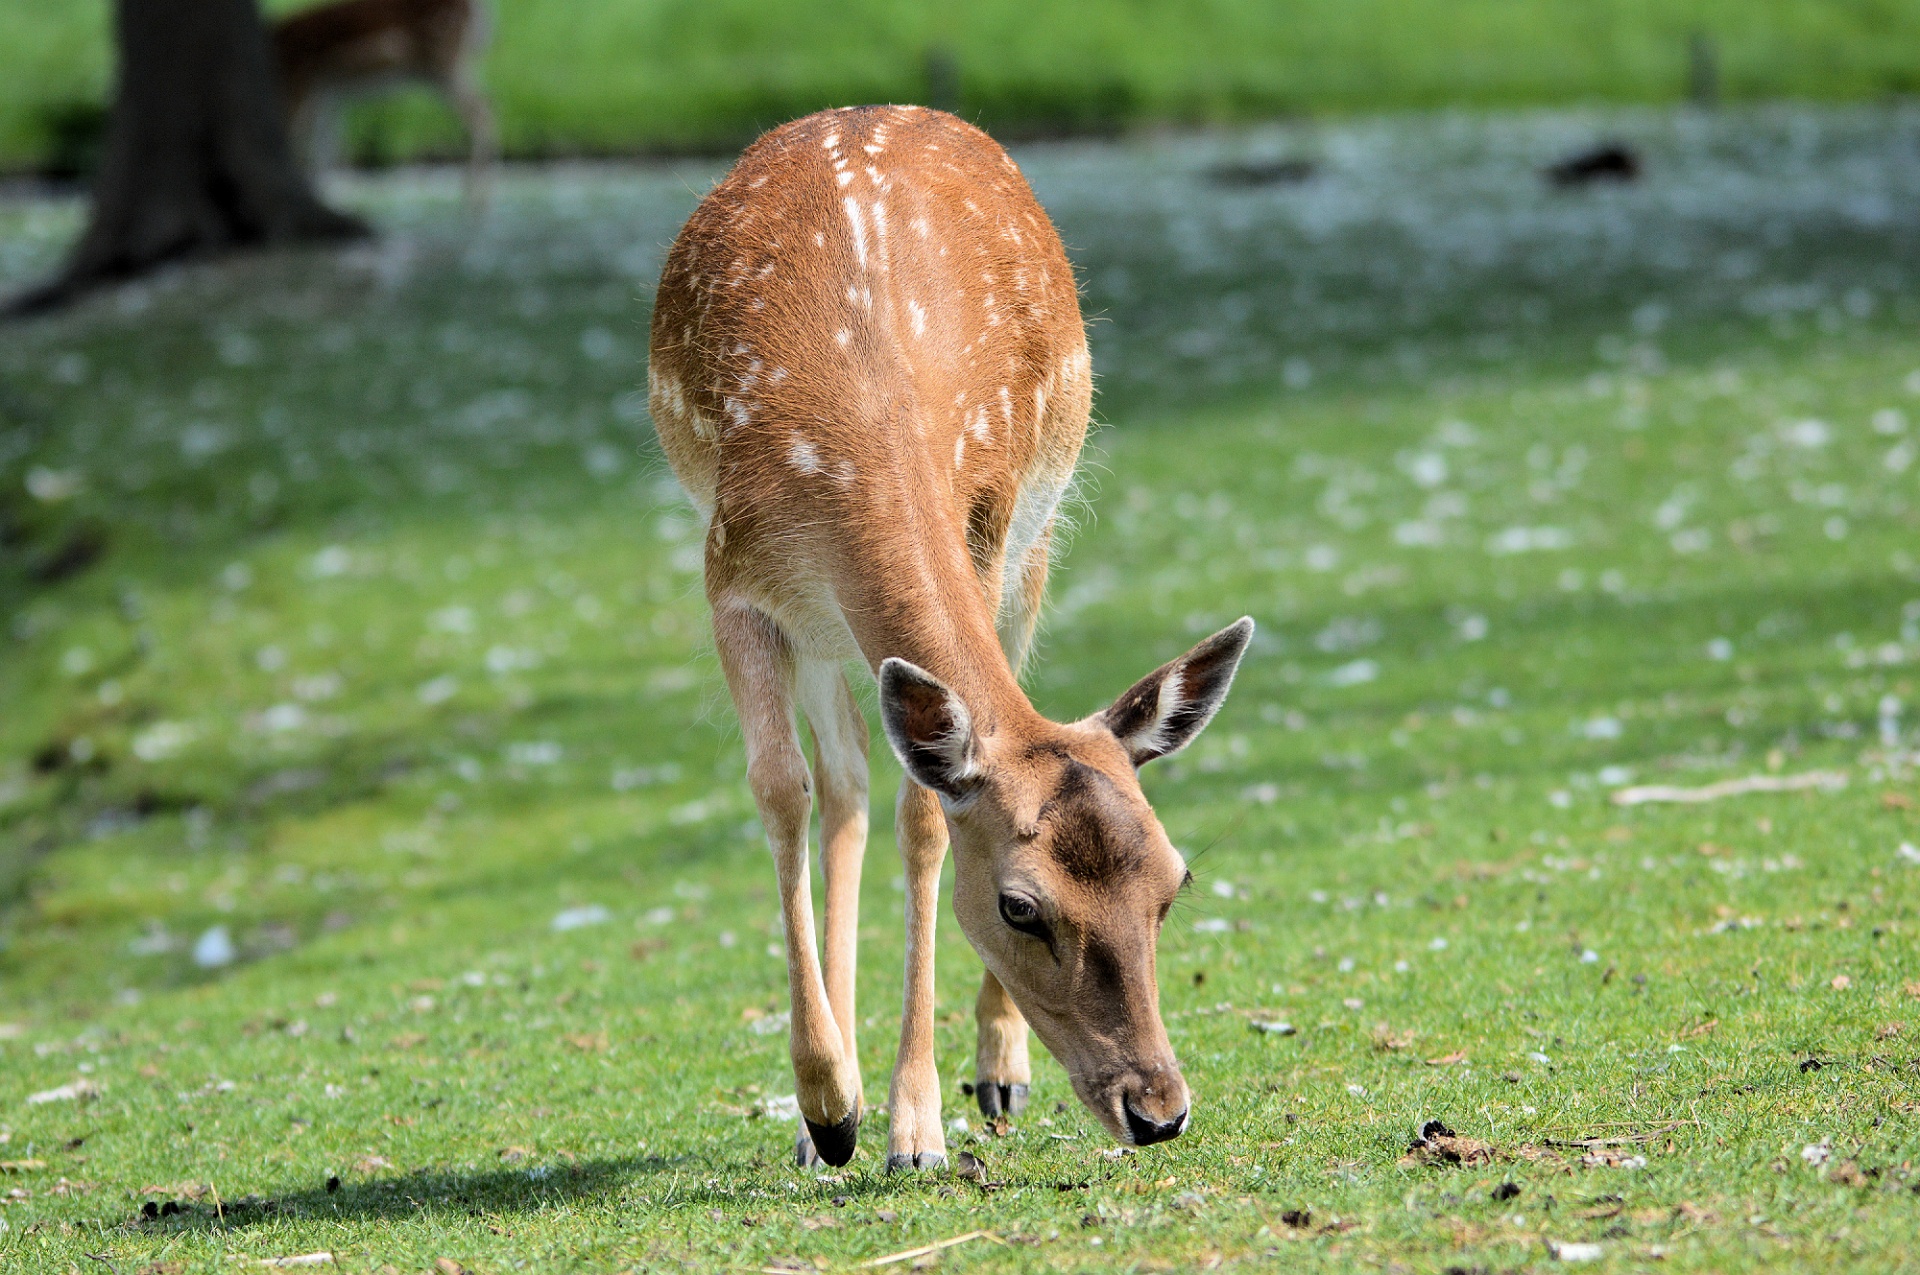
{"type": "Point", "coordinates": [759, 666]}
{"type": "Point", "coordinates": [840, 771]}
{"type": "Point", "coordinates": [1002, 1077]}
{"type": "Point", "coordinates": [915, 1139]}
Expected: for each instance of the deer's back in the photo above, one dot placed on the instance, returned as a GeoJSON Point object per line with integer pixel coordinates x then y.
{"type": "Point", "coordinates": [869, 325]}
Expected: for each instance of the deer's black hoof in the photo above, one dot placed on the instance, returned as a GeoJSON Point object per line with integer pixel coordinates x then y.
{"type": "Point", "coordinates": [834, 1143]}
{"type": "Point", "coordinates": [996, 1099]}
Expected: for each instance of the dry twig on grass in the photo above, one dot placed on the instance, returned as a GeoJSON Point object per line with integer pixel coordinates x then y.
{"type": "Point", "coordinates": [1826, 780]}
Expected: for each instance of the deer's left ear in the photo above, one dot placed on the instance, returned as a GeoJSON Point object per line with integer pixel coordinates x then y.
{"type": "Point", "coordinates": [1169, 706]}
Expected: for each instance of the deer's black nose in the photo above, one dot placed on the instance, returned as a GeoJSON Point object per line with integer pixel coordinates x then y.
{"type": "Point", "coordinates": [1147, 1132]}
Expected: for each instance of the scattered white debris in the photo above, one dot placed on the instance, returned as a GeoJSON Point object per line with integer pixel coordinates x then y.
{"type": "Point", "coordinates": [1589, 957]}
{"type": "Point", "coordinates": [298, 1259]}
{"type": "Point", "coordinates": [1540, 1058]}
{"type": "Point", "coordinates": [1909, 853]}
{"type": "Point", "coordinates": [958, 1126]}
{"type": "Point", "coordinates": [780, 1107]}
{"type": "Point", "coordinates": [770, 1024]}
{"type": "Point", "coordinates": [1529, 540]}
{"type": "Point", "coordinates": [1568, 1251]}
{"type": "Point", "coordinates": [1212, 925]}
{"type": "Point", "coordinates": [1354, 674]}
{"type": "Point", "coordinates": [73, 1092]}
{"type": "Point", "coordinates": [1826, 780]}
{"type": "Point", "coordinates": [1275, 1028]}
{"type": "Point", "coordinates": [439, 690]}
{"type": "Point", "coordinates": [51, 486]}
{"type": "Point", "coordinates": [214, 949]}
{"type": "Point", "coordinates": [160, 742]}
{"type": "Point", "coordinates": [580, 917]}
{"type": "Point", "coordinates": [1817, 1153]}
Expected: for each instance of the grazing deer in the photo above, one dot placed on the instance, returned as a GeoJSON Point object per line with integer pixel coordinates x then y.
{"type": "Point", "coordinates": [868, 370]}
{"type": "Point", "coordinates": [358, 46]}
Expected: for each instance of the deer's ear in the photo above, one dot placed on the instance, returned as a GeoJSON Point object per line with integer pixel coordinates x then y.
{"type": "Point", "coordinates": [1169, 706]}
{"type": "Point", "coordinates": [929, 728]}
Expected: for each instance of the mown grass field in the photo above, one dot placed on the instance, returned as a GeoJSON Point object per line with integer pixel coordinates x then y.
{"type": "Point", "coordinates": [381, 876]}
{"type": "Point", "coordinates": [624, 76]}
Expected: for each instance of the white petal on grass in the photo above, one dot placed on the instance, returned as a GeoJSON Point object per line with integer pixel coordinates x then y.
{"type": "Point", "coordinates": [1602, 728]}
{"type": "Point", "coordinates": [770, 1025]}
{"type": "Point", "coordinates": [334, 560]}
{"type": "Point", "coordinates": [439, 690]}
{"type": "Point", "coordinates": [51, 486]}
{"type": "Point", "coordinates": [1212, 925]}
{"type": "Point", "coordinates": [580, 917]}
{"type": "Point", "coordinates": [72, 1092]}
{"type": "Point", "coordinates": [1570, 1251]}
{"type": "Point", "coordinates": [1817, 1153]}
{"type": "Point", "coordinates": [214, 949]}
{"type": "Point", "coordinates": [298, 1259]}
{"type": "Point", "coordinates": [542, 752]}
{"type": "Point", "coordinates": [282, 718]}
{"type": "Point", "coordinates": [1529, 540]}
{"type": "Point", "coordinates": [161, 740]}
{"type": "Point", "coordinates": [1354, 674]}
{"type": "Point", "coordinates": [1720, 649]}
{"type": "Point", "coordinates": [779, 1107]}
{"type": "Point", "coordinates": [1909, 853]}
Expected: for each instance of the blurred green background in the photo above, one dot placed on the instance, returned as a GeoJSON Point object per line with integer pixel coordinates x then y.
{"type": "Point", "coordinates": [621, 76]}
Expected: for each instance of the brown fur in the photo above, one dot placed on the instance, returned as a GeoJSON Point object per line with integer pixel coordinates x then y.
{"type": "Point", "coordinates": [868, 370]}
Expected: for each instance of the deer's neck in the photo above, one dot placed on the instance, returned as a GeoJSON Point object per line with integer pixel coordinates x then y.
{"type": "Point", "coordinates": [909, 589]}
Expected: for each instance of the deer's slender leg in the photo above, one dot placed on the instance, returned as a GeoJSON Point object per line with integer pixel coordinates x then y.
{"type": "Point", "coordinates": [1002, 1074]}
{"type": "Point", "coordinates": [915, 1139]}
{"type": "Point", "coordinates": [759, 664]}
{"type": "Point", "coordinates": [840, 771]}
{"type": "Point", "coordinates": [476, 113]}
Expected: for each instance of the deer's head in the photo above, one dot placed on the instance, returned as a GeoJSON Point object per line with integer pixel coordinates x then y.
{"type": "Point", "coordinates": [1062, 874]}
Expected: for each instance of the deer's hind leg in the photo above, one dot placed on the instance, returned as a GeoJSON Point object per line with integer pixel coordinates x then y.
{"type": "Point", "coordinates": [761, 674]}
{"type": "Point", "coordinates": [1002, 1072]}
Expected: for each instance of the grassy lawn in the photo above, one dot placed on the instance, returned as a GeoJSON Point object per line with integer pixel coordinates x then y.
{"type": "Point", "coordinates": [620, 76]}
{"type": "Point", "coordinates": [382, 880]}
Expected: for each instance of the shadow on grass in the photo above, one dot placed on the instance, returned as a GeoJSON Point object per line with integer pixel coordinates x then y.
{"type": "Point", "coordinates": [476, 1193]}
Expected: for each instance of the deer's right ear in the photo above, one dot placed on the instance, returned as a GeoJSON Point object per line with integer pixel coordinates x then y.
{"type": "Point", "coordinates": [929, 728]}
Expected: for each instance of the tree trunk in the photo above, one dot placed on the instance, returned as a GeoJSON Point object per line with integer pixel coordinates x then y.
{"type": "Point", "coordinates": [197, 158]}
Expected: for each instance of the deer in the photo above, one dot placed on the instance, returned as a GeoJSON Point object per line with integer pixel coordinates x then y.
{"type": "Point", "coordinates": [868, 370]}
{"type": "Point", "coordinates": [353, 47]}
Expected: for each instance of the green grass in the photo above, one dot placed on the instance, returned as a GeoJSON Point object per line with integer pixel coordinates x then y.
{"type": "Point", "coordinates": [619, 76]}
{"type": "Point", "coordinates": [395, 652]}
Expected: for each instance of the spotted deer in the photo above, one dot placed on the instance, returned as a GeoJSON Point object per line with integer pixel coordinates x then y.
{"type": "Point", "coordinates": [869, 372]}
{"type": "Point", "coordinates": [352, 47]}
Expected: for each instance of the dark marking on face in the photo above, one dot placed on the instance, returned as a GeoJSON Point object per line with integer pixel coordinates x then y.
{"type": "Point", "coordinates": [1096, 838]}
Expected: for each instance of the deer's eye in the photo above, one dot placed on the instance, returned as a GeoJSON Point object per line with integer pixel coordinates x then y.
{"type": "Point", "coordinates": [1023, 914]}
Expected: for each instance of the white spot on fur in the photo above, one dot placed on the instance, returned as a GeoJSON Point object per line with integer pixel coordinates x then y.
{"type": "Point", "coordinates": [959, 449]}
{"type": "Point", "coordinates": [844, 178]}
{"type": "Point", "coordinates": [843, 336]}
{"type": "Point", "coordinates": [778, 375]}
{"type": "Point", "coordinates": [859, 223]}
{"type": "Point", "coordinates": [920, 227]}
{"type": "Point", "coordinates": [919, 316]}
{"type": "Point", "coordinates": [833, 140]}
{"type": "Point", "coordinates": [803, 456]}
{"type": "Point", "coordinates": [757, 182]}
{"type": "Point", "coordinates": [739, 413]}
{"type": "Point", "coordinates": [1006, 406]}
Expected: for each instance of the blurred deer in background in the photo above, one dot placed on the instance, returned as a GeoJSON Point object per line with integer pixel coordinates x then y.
{"type": "Point", "coordinates": [361, 46]}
